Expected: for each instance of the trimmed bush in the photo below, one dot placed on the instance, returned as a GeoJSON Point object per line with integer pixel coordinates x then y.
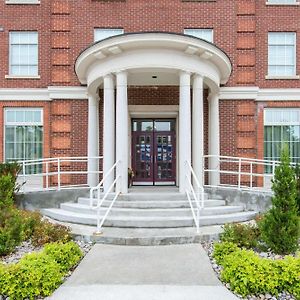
{"type": "Point", "coordinates": [46, 232]}
{"type": "Point", "coordinates": [243, 235]}
{"type": "Point", "coordinates": [280, 228]}
{"type": "Point", "coordinates": [297, 172]}
{"type": "Point", "coordinates": [249, 274]}
{"type": "Point", "coordinates": [66, 255]}
{"type": "Point", "coordinates": [221, 250]}
{"type": "Point", "coordinates": [11, 230]}
{"type": "Point", "coordinates": [35, 275]}
{"type": "Point", "coordinates": [31, 220]}
{"type": "Point", "coordinates": [7, 187]}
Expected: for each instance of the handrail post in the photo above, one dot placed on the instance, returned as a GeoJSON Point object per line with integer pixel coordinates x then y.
{"type": "Point", "coordinates": [251, 175]}
{"type": "Point", "coordinates": [240, 170]}
{"type": "Point", "coordinates": [58, 174]}
{"type": "Point", "coordinates": [24, 176]}
{"type": "Point", "coordinates": [47, 175]}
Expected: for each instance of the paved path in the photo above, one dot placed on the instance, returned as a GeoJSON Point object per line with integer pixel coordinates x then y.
{"type": "Point", "coordinates": [144, 273]}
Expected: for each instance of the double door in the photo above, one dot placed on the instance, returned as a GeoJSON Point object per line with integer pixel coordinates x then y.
{"type": "Point", "coordinates": [154, 152]}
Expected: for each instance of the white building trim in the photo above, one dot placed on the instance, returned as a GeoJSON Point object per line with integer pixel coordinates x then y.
{"type": "Point", "coordinates": [43, 94]}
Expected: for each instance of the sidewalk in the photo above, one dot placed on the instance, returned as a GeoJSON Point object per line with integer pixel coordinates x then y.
{"type": "Point", "coordinates": [138, 273]}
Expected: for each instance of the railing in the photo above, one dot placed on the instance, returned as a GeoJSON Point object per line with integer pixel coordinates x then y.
{"type": "Point", "coordinates": [99, 189]}
{"type": "Point", "coordinates": [198, 195]}
{"type": "Point", "coordinates": [56, 173]}
{"type": "Point", "coordinates": [241, 173]}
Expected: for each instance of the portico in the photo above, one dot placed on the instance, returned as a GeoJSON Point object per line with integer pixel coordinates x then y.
{"type": "Point", "coordinates": [127, 60]}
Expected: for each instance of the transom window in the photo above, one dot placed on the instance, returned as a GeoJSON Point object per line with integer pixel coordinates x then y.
{"type": "Point", "coordinates": [103, 33]}
{"type": "Point", "coordinates": [202, 33]}
{"type": "Point", "coordinates": [282, 54]}
{"type": "Point", "coordinates": [281, 126]}
{"type": "Point", "coordinates": [24, 135]}
{"type": "Point", "coordinates": [23, 53]}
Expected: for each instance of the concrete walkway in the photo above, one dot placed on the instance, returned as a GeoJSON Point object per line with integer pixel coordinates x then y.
{"type": "Point", "coordinates": [143, 273]}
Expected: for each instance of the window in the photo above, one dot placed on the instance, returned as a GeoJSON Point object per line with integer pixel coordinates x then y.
{"type": "Point", "coordinates": [281, 126]}
{"type": "Point", "coordinates": [103, 33]}
{"type": "Point", "coordinates": [22, 2]}
{"type": "Point", "coordinates": [282, 2]}
{"type": "Point", "coordinates": [23, 53]}
{"type": "Point", "coordinates": [282, 54]}
{"type": "Point", "coordinates": [24, 135]}
{"type": "Point", "coordinates": [205, 34]}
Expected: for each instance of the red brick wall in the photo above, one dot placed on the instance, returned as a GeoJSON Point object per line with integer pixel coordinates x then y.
{"type": "Point", "coordinates": [66, 28]}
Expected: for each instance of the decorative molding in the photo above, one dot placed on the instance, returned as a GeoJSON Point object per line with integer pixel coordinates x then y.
{"type": "Point", "coordinates": [22, 77]}
{"type": "Point", "coordinates": [48, 94]}
{"type": "Point", "coordinates": [22, 2]}
{"type": "Point", "coordinates": [272, 77]}
{"type": "Point", "coordinates": [257, 94]}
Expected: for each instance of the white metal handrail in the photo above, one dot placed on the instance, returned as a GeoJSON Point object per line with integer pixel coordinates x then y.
{"type": "Point", "coordinates": [43, 177]}
{"type": "Point", "coordinates": [239, 167]}
{"type": "Point", "coordinates": [198, 195]}
{"type": "Point", "coordinates": [100, 188]}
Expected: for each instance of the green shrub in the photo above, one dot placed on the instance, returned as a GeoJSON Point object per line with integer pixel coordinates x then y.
{"type": "Point", "coordinates": [35, 275]}
{"type": "Point", "coordinates": [280, 228]}
{"type": "Point", "coordinates": [243, 235]}
{"type": "Point", "coordinates": [11, 230]}
{"type": "Point", "coordinates": [31, 220]}
{"type": "Point", "coordinates": [66, 255]}
{"type": "Point", "coordinates": [297, 172]}
{"type": "Point", "coordinates": [13, 169]}
{"type": "Point", "coordinates": [7, 187]}
{"type": "Point", "coordinates": [46, 232]}
{"type": "Point", "coordinates": [248, 274]}
{"type": "Point", "coordinates": [221, 250]}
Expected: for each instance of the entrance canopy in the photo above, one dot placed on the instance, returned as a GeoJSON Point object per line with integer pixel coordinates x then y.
{"type": "Point", "coordinates": [145, 53]}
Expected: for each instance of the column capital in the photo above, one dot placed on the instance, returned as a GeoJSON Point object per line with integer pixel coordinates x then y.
{"type": "Point", "coordinates": [108, 81]}
{"type": "Point", "coordinates": [121, 77]}
{"type": "Point", "coordinates": [185, 78]}
{"type": "Point", "coordinates": [213, 96]}
{"type": "Point", "coordinates": [198, 81]}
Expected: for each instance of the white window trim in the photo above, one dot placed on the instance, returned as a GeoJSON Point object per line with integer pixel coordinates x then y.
{"type": "Point", "coordinates": [6, 123]}
{"type": "Point", "coordinates": [296, 3]}
{"type": "Point", "coordinates": [285, 77]}
{"type": "Point", "coordinates": [30, 2]}
{"type": "Point", "coordinates": [12, 76]}
{"type": "Point", "coordinates": [212, 32]}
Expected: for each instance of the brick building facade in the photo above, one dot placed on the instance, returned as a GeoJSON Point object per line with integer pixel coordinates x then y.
{"type": "Point", "coordinates": [262, 74]}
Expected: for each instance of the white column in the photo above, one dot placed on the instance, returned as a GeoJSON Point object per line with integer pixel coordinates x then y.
{"type": "Point", "coordinates": [93, 140]}
{"type": "Point", "coordinates": [122, 131]}
{"type": "Point", "coordinates": [108, 129]}
{"type": "Point", "coordinates": [214, 138]}
{"type": "Point", "coordinates": [184, 128]}
{"type": "Point", "coordinates": [197, 129]}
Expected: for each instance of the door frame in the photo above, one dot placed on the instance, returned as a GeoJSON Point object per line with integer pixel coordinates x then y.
{"type": "Point", "coordinates": [154, 112]}
{"type": "Point", "coordinates": [154, 134]}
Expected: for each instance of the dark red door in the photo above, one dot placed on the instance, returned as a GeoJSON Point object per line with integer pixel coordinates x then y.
{"type": "Point", "coordinates": [154, 152]}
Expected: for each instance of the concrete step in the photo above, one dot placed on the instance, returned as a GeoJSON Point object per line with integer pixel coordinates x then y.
{"type": "Point", "coordinates": [143, 236]}
{"type": "Point", "coordinates": [136, 212]}
{"type": "Point", "coordinates": [153, 203]}
{"type": "Point", "coordinates": [146, 222]}
{"type": "Point", "coordinates": [142, 196]}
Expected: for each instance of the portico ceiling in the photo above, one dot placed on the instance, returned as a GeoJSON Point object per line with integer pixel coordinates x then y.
{"type": "Point", "coordinates": [146, 55]}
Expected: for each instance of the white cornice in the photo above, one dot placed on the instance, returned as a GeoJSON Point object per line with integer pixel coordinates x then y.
{"type": "Point", "coordinates": [257, 94]}
{"type": "Point", "coordinates": [47, 94]}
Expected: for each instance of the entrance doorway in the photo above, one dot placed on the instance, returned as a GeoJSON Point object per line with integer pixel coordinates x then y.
{"type": "Point", "coordinates": [154, 151]}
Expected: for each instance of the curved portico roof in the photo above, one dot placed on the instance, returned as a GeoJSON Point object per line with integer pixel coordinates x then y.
{"type": "Point", "coordinates": [171, 51]}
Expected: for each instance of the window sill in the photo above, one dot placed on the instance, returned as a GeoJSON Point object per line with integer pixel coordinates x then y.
{"type": "Point", "coordinates": [282, 4]}
{"type": "Point", "coordinates": [21, 77]}
{"type": "Point", "coordinates": [22, 2]}
{"type": "Point", "coordinates": [272, 77]}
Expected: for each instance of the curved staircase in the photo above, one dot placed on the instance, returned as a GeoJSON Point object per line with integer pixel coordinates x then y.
{"type": "Point", "coordinates": [148, 216]}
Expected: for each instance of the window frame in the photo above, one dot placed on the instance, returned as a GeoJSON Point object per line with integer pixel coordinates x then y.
{"type": "Point", "coordinates": [107, 29]}
{"type": "Point", "coordinates": [10, 74]}
{"type": "Point", "coordinates": [6, 123]}
{"type": "Point", "coordinates": [282, 3]}
{"type": "Point", "coordinates": [283, 76]}
{"type": "Point", "coordinates": [280, 124]}
{"type": "Point", "coordinates": [200, 29]}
